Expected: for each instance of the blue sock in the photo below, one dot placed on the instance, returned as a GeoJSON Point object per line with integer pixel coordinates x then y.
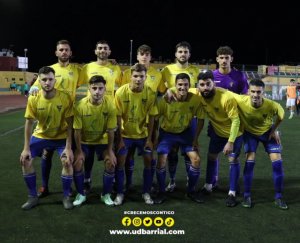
{"type": "Point", "coordinates": [119, 179]}
{"type": "Point", "coordinates": [147, 175]}
{"type": "Point", "coordinates": [210, 170]}
{"type": "Point", "coordinates": [161, 178]}
{"type": "Point", "coordinates": [187, 162]}
{"type": "Point", "coordinates": [129, 166]}
{"type": "Point", "coordinates": [248, 177]}
{"type": "Point", "coordinates": [108, 178]}
{"type": "Point", "coordinates": [172, 165]}
{"type": "Point", "coordinates": [30, 180]}
{"type": "Point", "coordinates": [193, 174]}
{"type": "Point", "coordinates": [78, 180]}
{"type": "Point", "coordinates": [46, 164]}
{"type": "Point", "coordinates": [153, 167]}
{"type": "Point", "coordinates": [88, 166]}
{"type": "Point", "coordinates": [216, 173]}
{"type": "Point", "coordinates": [66, 183]}
{"type": "Point", "coordinates": [278, 177]}
{"type": "Point", "coordinates": [234, 173]}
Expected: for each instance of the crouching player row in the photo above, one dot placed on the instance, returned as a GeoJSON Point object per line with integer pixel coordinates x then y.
{"type": "Point", "coordinates": [53, 111]}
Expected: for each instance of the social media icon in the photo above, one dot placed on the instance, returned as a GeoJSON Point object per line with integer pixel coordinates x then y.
{"type": "Point", "coordinates": [147, 221]}
{"type": "Point", "coordinates": [137, 221]}
{"type": "Point", "coordinates": [158, 221]}
{"type": "Point", "coordinates": [126, 221]}
{"type": "Point", "coordinates": [169, 222]}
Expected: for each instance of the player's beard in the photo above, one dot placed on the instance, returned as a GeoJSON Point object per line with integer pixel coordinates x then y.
{"type": "Point", "coordinates": [182, 62]}
{"type": "Point", "coordinates": [48, 89]}
{"type": "Point", "coordinates": [64, 59]}
{"type": "Point", "coordinates": [208, 94]}
{"type": "Point", "coordinates": [102, 57]}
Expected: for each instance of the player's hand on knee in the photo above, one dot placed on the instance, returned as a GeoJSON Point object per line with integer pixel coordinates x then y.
{"type": "Point", "coordinates": [25, 157]}
{"type": "Point", "coordinates": [112, 157]}
{"type": "Point", "coordinates": [228, 148]}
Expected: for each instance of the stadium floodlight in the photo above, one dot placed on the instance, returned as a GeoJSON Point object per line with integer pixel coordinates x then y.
{"type": "Point", "coordinates": [26, 59]}
{"type": "Point", "coordinates": [130, 54]}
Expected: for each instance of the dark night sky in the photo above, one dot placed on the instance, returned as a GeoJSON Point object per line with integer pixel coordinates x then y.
{"type": "Point", "coordinates": [257, 36]}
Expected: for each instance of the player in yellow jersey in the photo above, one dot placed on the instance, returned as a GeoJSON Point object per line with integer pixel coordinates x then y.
{"type": "Point", "coordinates": [225, 135]}
{"type": "Point", "coordinates": [95, 116]}
{"type": "Point", "coordinates": [261, 118]}
{"type": "Point", "coordinates": [67, 76]}
{"type": "Point", "coordinates": [182, 54]}
{"type": "Point", "coordinates": [53, 109]}
{"type": "Point", "coordinates": [66, 73]}
{"type": "Point", "coordinates": [112, 73]}
{"type": "Point", "coordinates": [176, 129]}
{"type": "Point", "coordinates": [153, 76]}
{"type": "Point", "coordinates": [136, 108]}
{"type": "Point", "coordinates": [153, 80]}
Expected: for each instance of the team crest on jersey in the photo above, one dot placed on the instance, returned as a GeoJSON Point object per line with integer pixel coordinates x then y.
{"type": "Point", "coordinates": [216, 109]}
{"type": "Point", "coordinates": [152, 78]}
{"type": "Point", "coordinates": [111, 72]}
{"type": "Point", "coordinates": [231, 84]}
{"type": "Point", "coordinates": [105, 113]}
{"type": "Point", "coordinates": [59, 107]}
{"type": "Point", "coordinates": [144, 101]}
{"type": "Point", "coordinates": [71, 73]}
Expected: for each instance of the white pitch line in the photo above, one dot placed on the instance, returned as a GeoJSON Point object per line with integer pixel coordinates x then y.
{"type": "Point", "coordinates": [11, 131]}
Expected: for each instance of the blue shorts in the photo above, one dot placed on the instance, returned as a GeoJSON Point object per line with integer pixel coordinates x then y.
{"type": "Point", "coordinates": [132, 143]}
{"type": "Point", "coordinates": [194, 125]}
{"type": "Point", "coordinates": [167, 140]}
{"type": "Point", "coordinates": [90, 149]}
{"type": "Point", "coordinates": [217, 143]}
{"type": "Point", "coordinates": [37, 145]}
{"type": "Point", "coordinates": [251, 142]}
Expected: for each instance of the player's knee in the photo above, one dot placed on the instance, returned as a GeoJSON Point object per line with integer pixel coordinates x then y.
{"type": "Point", "coordinates": [250, 156]}
{"type": "Point", "coordinates": [109, 166]}
{"type": "Point", "coordinates": [78, 165]}
{"type": "Point", "coordinates": [275, 156]}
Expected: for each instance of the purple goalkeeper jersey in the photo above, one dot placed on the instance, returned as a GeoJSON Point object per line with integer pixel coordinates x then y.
{"type": "Point", "coordinates": [234, 81]}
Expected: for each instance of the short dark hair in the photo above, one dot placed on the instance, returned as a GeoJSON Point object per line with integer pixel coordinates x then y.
{"type": "Point", "coordinates": [182, 76]}
{"type": "Point", "coordinates": [46, 70]}
{"type": "Point", "coordinates": [102, 42]}
{"type": "Point", "coordinates": [184, 44]}
{"type": "Point", "coordinates": [257, 82]}
{"type": "Point", "coordinates": [205, 75]}
{"type": "Point", "coordinates": [97, 79]}
{"type": "Point", "coordinates": [63, 42]}
{"type": "Point", "coordinates": [224, 50]}
{"type": "Point", "coordinates": [292, 80]}
{"type": "Point", "coordinates": [138, 68]}
{"type": "Point", "coordinates": [144, 48]}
